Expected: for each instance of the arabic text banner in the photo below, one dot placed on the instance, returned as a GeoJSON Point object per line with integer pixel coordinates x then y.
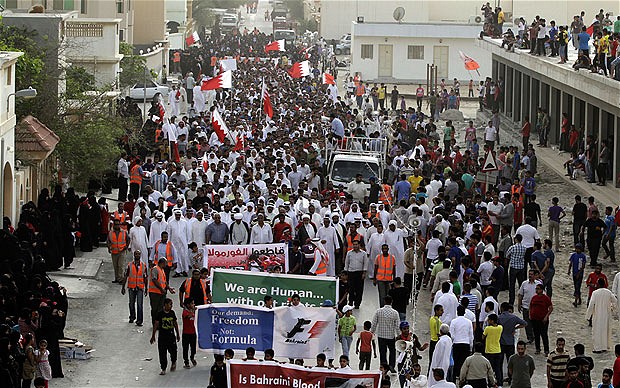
{"type": "Point", "coordinates": [249, 288]}
{"type": "Point", "coordinates": [225, 326]}
{"type": "Point", "coordinates": [255, 257]}
{"type": "Point", "coordinates": [256, 374]}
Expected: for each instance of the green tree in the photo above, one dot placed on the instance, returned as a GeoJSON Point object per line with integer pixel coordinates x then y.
{"type": "Point", "coordinates": [133, 66]}
{"type": "Point", "coordinates": [29, 69]}
{"type": "Point", "coordinates": [79, 80]}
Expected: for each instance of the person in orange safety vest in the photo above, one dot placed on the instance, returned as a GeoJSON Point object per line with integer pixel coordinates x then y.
{"type": "Point", "coordinates": [385, 270]}
{"type": "Point", "coordinates": [136, 280]}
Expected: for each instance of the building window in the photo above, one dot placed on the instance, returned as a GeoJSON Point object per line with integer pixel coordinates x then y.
{"type": "Point", "coordinates": [83, 6]}
{"type": "Point", "coordinates": [9, 4]}
{"type": "Point", "coordinates": [9, 75]}
{"type": "Point", "coordinates": [121, 35]}
{"type": "Point", "coordinates": [119, 6]}
{"type": "Point", "coordinates": [84, 30]}
{"type": "Point", "coordinates": [415, 52]}
{"type": "Point", "coordinates": [366, 51]}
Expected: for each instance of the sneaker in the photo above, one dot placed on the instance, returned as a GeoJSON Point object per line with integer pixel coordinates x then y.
{"type": "Point", "coordinates": [131, 321]}
{"type": "Point", "coordinates": [173, 367]}
{"type": "Point", "coordinates": [163, 372]}
{"type": "Point", "coordinates": [194, 362]}
{"type": "Point", "coordinates": [186, 366]}
{"type": "Point", "coordinates": [138, 323]}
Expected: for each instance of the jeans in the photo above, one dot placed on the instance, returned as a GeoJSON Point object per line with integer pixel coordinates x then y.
{"type": "Point", "coordinates": [577, 280]}
{"type": "Point", "coordinates": [167, 345]}
{"type": "Point", "coordinates": [517, 275]}
{"type": "Point", "coordinates": [528, 329]}
{"type": "Point", "coordinates": [157, 304]}
{"type": "Point", "coordinates": [577, 224]}
{"type": "Point", "coordinates": [496, 364]}
{"type": "Point", "coordinates": [122, 189]}
{"type": "Point", "coordinates": [554, 233]}
{"type": "Point", "coordinates": [547, 282]}
{"type": "Point", "coordinates": [386, 344]}
{"type": "Point", "coordinates": [507, 351]}
{"type": "Point", "coordinates": [188, 341]}
{"type": "Point", "coordinates": [608, 246]}
{"type": "Point", "coordinates": [136, 296]}
{"type": "Point", "coordinates": [594, 247]}
{"type": "Point", "coordinates": [356, 288]}
{"type": "Point", "coordinates": [541, 329]}
{"type": "Point", "coordinates": [383, 287]}
{"type": "Point", "coordinates": [346, 341]}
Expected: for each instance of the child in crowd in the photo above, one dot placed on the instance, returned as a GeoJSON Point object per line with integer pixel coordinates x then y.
{"type": "Point", "coordinates": [367, 342]}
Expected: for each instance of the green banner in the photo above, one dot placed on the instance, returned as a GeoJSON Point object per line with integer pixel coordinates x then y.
{"type": "Point", "coordinates": [249, 288]}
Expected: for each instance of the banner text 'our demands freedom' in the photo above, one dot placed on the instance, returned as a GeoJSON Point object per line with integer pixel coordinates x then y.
{"type": "Point", "coordinates": [274, 291]}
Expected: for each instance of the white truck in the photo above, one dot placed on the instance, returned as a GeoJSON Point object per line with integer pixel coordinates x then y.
{"type": "Point", "coordinates": [356, 155]}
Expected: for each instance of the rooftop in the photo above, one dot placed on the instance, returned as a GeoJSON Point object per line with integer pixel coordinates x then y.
{"type": "Point", "coordinates": [604, 89]}
{"type": "Point", "coordinates": [445, 29]}
{"type": "Point", "coordinates": [33, 136]}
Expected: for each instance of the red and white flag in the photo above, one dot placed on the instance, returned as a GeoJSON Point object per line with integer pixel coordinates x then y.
{"type": "Point", "coordinates": [305, 52]}
{"type": "Point", "coordinates": [222, 80]}
{"type": "Point", "coordinates": [219, 126]}
{"type": "Point", "coordinates": [278, 45]}
{"type": "Point", "coordinates": [193, 38]}
{"type": "Point", "coordinates": [328, 79]}
{"type": "Point", "coordinates": [267, 108]}
{"type": "Point", "coordinates": [240, 143]}
{"type": "Point", "coordinates": [299, 69]}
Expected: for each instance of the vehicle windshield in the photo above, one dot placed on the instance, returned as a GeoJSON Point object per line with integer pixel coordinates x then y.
{"type": "Point", "coordinates": [344, 171]}
{"type": "Point", "coordinates": [284, 34]}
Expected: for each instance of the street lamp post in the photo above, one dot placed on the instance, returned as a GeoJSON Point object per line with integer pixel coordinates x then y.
{"type": "Point", "coordinates": [24, 93]}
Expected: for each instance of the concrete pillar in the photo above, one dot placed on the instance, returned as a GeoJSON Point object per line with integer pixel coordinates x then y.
{"type": "Point", "coordinates": [523, 109]}
{"type": "Point", "coordinates": [599, 131]}
{"type": "Point", "coordinates": [616, 152]}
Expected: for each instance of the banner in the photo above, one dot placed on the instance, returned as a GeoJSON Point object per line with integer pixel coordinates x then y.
{"type": "Point", "coordinates": [255, 257]}
{"type": "Point", "coordinates": [292, 332]}
{"type": "Point", "coordinates": [249, 288]}
{"type": "Point", "coordinates": [256, 374]}
{"type": "Point", "coordinates": [225, 326]}
{"type": "Point", "coordinates": [304, 332]}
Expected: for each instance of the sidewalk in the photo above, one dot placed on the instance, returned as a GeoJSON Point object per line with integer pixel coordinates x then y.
{"type": "Point", "coordinates": [554, 159]}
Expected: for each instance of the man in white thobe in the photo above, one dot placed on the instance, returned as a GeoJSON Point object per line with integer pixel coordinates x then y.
{"type": "Point", "coordinates": [599, 309]}
{"type": "Point", "coordinates": [441, 355]}
{"type": "Point", "coordinates": [615, 289]}
{"type": "Point", "coordinates": [374, 249]}
{"type": "Point", "coordinates": [199, 99]}
{"type": "Point", "coordinates": [395, 239]}
{"type": "Point", "coordinates": [174, 99]}
{"type": "Point", "coordinates": [179, 234]}
{"type": "Point", "coordinates": [157, 226]}
{"type": "Point", "coordinates": [198, 229]}
{"type": "Point", "coordinates": [138, 240]}
{"type": "Point", "coordinates": [329, 238]}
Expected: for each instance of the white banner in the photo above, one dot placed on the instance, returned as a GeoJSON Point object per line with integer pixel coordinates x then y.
{"type": "Point", "coordinates": [304, 332]}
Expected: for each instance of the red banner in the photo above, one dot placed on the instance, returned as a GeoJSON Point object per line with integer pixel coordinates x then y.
{"type": "Point", "coordinates": [268, 374]}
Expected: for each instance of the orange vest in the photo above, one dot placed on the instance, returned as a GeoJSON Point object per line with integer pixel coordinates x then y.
{"type": "Point", "coordinates": [136, 276]}
{"type": "Point", "coordinates": [203, 285]}
{"type": "Point", "coordinates": [176, 57]}
{"type": "Point", "coordinates": [385, 268]}
{"type": "Point", "coordinates": [135, 176]}
{"type": "Point", "coordinates": [358, 237]}
{"type": "Point", "coordinates": [169, 256]}
{"type": "Point", "coordinates": [322, 267]}
{"type": "Point", "coordinates": [118, 242]}
{"type": "Point", "coordinates": [385, 195]}
{"type": "Point", "coordinates": [121, 217]}
{"type": "Point", "coordinates": [359, 89]}
{"type": "Point", "coordinates": [161, 276]}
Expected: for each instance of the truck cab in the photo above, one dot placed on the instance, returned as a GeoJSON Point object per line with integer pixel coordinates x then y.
{"type": "Point", "coordinates": [356, 155]}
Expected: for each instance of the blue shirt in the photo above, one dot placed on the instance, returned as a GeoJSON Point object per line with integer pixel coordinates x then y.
{"type": "Point", "coordinates": [549, 254]}
{"type": "Point", "coordinates": [403, 188]}
{"type": "Point", "coordinates": [610, 223]}
{"type": "Point", "coordinates": [337, 127]}
{"type": "Point", "coordinates": [584, 38]}
{"type": "Point", "coordinates": [553, 32]}
{"type": "Point", "coordinates": [578, 262]}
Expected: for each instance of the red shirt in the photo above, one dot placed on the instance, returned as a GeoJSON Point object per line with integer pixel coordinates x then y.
{"type": "Point", "coordinates": [366, 341]}
{"type": "Point", "coordinates": [592, 282]}
{"type": "Point", "coordinates": [188, 322]}
{"type": "Point", "coordinates": [527, 127]}
{"type": "Point", "coordinates": [616, 378]}
{"type": "Point", "coordinates": [539, 306]}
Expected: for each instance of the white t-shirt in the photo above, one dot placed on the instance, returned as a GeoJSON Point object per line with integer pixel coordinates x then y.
{"type": "Point", "coordinates": [490, 134]}
{"type": "Point", "coordinates": [485, 270]}
{"type": "Point", "coordinates": [529, 234]}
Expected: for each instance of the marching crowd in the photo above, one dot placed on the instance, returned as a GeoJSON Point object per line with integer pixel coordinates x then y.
{"type": "Point", "coordinates": [426, 228]}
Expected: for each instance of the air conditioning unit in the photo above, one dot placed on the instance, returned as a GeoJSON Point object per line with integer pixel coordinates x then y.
{"type": "Point", "coordinates": [476, 19]}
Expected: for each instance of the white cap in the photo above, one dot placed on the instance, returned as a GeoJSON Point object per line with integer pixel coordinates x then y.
{"type": "Point", "coordinates": [238, 216]}
{"type": "Point", "coordinates": [347, 308]}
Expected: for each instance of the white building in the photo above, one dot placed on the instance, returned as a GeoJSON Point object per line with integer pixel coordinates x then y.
{"type": "Point", "coordinates": [335, 15]}
{"type": "Point", "coordinates": [94, 45]}
{"type": "Point", "coordinates": [399, 52]}
{"type": "Point", "coordinates": [7, 134]}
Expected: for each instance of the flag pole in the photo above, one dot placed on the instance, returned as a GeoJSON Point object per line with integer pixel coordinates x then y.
{"type": "Point", "coordinates": [262, 89]}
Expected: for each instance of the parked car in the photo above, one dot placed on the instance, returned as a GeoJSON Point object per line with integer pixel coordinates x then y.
{"type": "Point", "coordinates": [229, 22]}
{"type": "Point", "coordinates": [346, 38]}
{"type": "Point", "coordinates": [152, 88]}
{"type": "Point", "coordinates": [343, 48]}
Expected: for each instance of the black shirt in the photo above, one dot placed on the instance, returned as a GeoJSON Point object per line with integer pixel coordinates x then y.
{"type": "Point", "coordinates": [580, 211]}
{"type": "Point", "coordinates": [400, 298]}
{"type": "Point", "coordinates": [195, 291]}
{"type": "Point", "coordinates": [595, 228]}
{"type": "Point", "coordinates": [218, 374]}
{"type": "Point", "coordinates": [532, 210]}
{"type": "Point", "coordinates": [166, 322]}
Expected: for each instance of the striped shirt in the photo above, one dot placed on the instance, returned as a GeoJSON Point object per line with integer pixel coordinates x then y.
{"type": "Point", "coordinates": [557, 363]}
{"type": "Point", "coordinates": [473, 301]}
{"type": "Point", "coordinates": [516, 253]}
{"type": "Point", "coordinates": [159, 182]}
